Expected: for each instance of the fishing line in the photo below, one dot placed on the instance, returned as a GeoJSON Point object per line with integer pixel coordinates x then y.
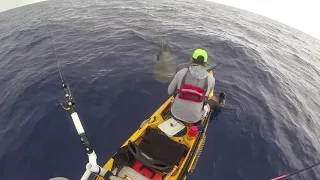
{"type": "Point", "coordinates": [63, 79]}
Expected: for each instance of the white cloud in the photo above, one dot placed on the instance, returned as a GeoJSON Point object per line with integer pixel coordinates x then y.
{"type": "Point", "coordinates": [9, 4]}
{"type": "Point", "coordinates": [302, 15]}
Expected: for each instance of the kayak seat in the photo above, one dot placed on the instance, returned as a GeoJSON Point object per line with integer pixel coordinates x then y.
{"type": "Point", "coordinates": [158, 151]}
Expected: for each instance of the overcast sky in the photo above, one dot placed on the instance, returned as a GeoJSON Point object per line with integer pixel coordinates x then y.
{"type": "Point", "coordinates": [300, 14]}
{"type": "Point", "coordinates": [9, 4]}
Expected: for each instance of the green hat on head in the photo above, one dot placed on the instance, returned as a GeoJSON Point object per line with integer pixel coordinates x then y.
{"type": "Point", "coordinates": [200, 55]}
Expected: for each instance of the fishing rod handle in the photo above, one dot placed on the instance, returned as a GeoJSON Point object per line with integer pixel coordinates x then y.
{"type": "Point", "coordinates": [82, 134]}
{"type": "Point", "coordinates": [77, 123]}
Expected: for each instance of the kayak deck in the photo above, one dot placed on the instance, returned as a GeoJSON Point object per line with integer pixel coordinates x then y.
{"type": "Point", "coordinates": [153, 153]}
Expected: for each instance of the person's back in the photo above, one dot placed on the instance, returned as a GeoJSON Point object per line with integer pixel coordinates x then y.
{"type": "Point", "coordinates": [192, 85]}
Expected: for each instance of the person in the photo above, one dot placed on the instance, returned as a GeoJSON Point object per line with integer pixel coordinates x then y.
{"type": "Point", "coordinates": [191, 87]}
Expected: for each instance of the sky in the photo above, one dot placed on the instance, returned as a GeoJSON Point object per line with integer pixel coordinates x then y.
{"type": "Point", "coordinates": [9, 4]}
{"type": "Point", "coordinates": [300, 14]}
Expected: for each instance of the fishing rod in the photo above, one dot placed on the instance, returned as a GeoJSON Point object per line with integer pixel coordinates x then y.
{"type": "Point", "coordinates": [295, 173]}
{"type": "Point", "coordinates": [69, 104]}
{"type": "Point", "coordinates": [213, 67]}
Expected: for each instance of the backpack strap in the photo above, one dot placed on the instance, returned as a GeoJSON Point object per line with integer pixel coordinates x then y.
{"type": "Point", "coordinates": [182, 82]}
{"type": "Point", "coordinates": [206, 96]}
{"type": "Point", "coordinates": [184, 78]}
{"type": "Point", "coordinates": [206, 84]}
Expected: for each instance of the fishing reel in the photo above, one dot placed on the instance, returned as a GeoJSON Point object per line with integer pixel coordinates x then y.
{"type": "Point", "coordinates": [69, 102]}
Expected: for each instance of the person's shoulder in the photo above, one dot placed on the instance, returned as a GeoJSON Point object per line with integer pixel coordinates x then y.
{"type": "Point", "coordinates": [182, 71]}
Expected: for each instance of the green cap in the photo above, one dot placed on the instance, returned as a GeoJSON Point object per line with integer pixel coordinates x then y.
{"type": "Point", "coordinates": [200, 54]}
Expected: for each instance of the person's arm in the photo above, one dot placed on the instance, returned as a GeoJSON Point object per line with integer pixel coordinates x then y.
{"type": "Point", "coordinates": [173, 85]}
{"type": "Point", "coordinates": [211, 84]}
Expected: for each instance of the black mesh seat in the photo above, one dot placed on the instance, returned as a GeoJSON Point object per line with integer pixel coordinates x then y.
{"type": "Point", "coordinates": [158, 151]}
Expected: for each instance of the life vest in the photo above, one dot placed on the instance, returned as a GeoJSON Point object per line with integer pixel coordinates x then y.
{"type": "Point", "coordinates": [190, 92]}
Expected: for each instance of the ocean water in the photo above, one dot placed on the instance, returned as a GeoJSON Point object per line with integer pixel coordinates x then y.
{"type": "Point", "coordinates": [269, 71]}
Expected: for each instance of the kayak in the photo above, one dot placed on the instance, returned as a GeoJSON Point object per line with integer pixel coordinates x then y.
{"type": "Point", "coordinates": [163, 148]}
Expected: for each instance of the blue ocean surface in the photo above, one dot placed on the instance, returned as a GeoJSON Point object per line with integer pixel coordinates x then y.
{"type": "Point", "coordinates": [106, 49]}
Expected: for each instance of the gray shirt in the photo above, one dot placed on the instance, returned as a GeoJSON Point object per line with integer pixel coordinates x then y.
{"type": "Point", "coordinates": [189, 111]}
